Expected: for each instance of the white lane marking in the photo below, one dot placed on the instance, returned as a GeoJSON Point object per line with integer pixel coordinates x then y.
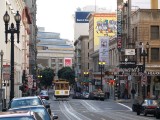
{"type": "Point", "coordinates": [77, 118]}
{"type": "Point", "coordinates": [63, 111]}
{"type": "Point", "coordinates": [90, 105]}
{"type": "Point", "coordinates": [125, 106]}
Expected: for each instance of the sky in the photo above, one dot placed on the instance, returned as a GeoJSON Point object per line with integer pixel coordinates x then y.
{"type": "Point", "coordinates": [57, 15]}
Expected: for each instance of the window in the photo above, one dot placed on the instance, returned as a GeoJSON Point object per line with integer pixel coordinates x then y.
{"type": "Point", "coordinates": [154, 32]}
{"type": "Point", "coordinates": [154, 54]}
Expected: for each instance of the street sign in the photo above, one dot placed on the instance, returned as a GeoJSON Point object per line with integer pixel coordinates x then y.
{"type": "Point", "coordinates": [129, 51]}
{"type": "Point", "coordinates": [6, 72]}
{"type": "Point", "coordinates": [127, 64]}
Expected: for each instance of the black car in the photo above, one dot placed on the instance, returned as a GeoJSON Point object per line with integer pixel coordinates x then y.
{"type": "Point", "coordinates": [19, 115]}
{"type": "Point", "coordinates": [40, 109]}
{"type": "Point", "coordinates": [148, 106]}
{"type": "Point", "coordinates": [26, 101]}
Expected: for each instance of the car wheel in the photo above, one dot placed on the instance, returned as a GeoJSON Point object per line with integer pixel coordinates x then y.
{"type": "Point", "coordinates": [144, 113]}
{"type": "Point", "coordinates": [138, 112]}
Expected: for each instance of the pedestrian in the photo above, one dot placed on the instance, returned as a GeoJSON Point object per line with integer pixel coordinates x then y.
{"type": "Point", "coordinates": [133, 92]}
{"type": "Point", "coordinates": [125, 93]}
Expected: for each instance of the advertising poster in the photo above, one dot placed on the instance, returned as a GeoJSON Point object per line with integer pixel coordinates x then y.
{"type": "Point", "coordinates": [105, 24]}
{"type": "Point", "coordinates": [67, 62]}
{"type": "Point", "coordinates": [81, 17]}
{"type": "Point", "coordinates": [104, 49]}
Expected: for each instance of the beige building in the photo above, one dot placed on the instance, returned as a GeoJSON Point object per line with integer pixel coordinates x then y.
{"type": "Point", "coordinates": [53, 52]}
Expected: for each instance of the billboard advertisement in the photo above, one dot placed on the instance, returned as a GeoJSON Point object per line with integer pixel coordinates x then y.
{"type": "Point", "coordinates": [104, 50]}
{"type": "Point", "coordinates": [81, 17]}
{"type": "Point", "coordinates": [105, 24]}
{"type": "Point", "coordinates": [119, 27]}
{"type": "Point", "coordinates": [67, 62]}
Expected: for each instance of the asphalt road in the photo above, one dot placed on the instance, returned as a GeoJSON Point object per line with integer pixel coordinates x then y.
{"type": "Point", "coordinates": [76, 109]}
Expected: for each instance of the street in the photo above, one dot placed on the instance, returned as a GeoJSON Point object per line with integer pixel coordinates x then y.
{"type": "Point", "coordinates": [78, 109]}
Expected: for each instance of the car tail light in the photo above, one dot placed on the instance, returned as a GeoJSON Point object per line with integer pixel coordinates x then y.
{"type": "Point", "coordinates": [151, 107]}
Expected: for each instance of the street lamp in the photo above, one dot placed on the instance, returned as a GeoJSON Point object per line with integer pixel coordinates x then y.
{"type": "Point", "coordinates": [144, 54]}
{"type": "Point", "coordinates": [86, 75]}
{"type": "Point", "coordinates": [1, 53]}
{"type": "Point", "coordinates": [101, 65]}
{"type": "Point", "coordinates": [39, 76]}
{"type": "Point", "coordinates": [12, 30]}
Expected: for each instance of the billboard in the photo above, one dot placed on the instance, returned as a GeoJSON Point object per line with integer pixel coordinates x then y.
{"type": "Point", "coordinates": [119, 27]}
{"type": "Point", "coordinates": [67, 62]}
{"type": "Point", "coordinates": [105, 24]}
{"type": "Point", "coordinates": [81, 17]}
{"type": "Point", "coordinates": [104, 49]}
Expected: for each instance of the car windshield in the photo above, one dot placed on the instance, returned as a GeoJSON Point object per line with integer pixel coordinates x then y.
{"type": "Point", "coordinates": [150, 102]}
{"type": "Point", "coordinates": [25, 102]}
{"type": "Point", "coordinates": [40, 110]}
{"type": "Point", "coordinates": [17, 118]}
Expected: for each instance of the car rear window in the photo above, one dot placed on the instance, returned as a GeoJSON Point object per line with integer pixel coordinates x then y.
{"type": "Point", "coordinates": [150, 102]}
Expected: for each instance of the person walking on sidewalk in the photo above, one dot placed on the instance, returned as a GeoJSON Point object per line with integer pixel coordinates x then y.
{"type": "Point", "coordinates": [133, 92]}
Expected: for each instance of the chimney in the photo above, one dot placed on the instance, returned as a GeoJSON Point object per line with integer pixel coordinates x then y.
{"type": "Point", "coordinates": [154, 4]}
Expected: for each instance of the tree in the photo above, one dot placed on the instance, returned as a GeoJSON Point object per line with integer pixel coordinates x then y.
{"type": "Point", "coordinates": [67, 73]}
{"type": "Point", "coordinates": [47, 76]}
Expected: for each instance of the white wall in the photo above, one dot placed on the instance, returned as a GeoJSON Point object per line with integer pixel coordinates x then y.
{"type": "Point", "coordinates": [81, 29]}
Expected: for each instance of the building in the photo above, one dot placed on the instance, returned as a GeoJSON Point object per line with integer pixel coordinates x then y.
{"type": "Point", "coordinates": [32, 10]}
{"type": "Point", "coordinates": [141, 33]}
{"type": "Point", "coordinates": [21, 49]}
{"type": "Point", "coordinates": [102, 26]}
{"type": "Point", "coordinates": [81, 33]}
{"type": "Point", "coordinates": [53, 52]}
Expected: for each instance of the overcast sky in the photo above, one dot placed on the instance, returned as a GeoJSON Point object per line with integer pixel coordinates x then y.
{"type": "Point", "coordinates": [56, 15]}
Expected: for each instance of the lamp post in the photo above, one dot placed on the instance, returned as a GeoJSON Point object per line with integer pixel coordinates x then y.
{"type": "Point", "coordinates": [101, 65]}
{"type": "Point", "coordinates": [39, 77]}
{"type": "Point", "coordinates": [12, 30]}
{"type": "Point", "coordinates": [144, 54]}
{"type": "Point", "coordinates": [1, 53]}
{"type": "Point", "coordinates": [86, 75]}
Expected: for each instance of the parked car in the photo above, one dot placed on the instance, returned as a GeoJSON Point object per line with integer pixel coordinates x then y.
{"type": "Point", "coordinates": [44, 94]}
{"type": "Point", "coordinates": [97, 94]}
{"type": "Point", "coordinates": [148, 106]}
{"type": "Point", "coordinates": [40, 109]}
{"type": "Point", "coordinates": [26, 101]}
{"type": "Point", "coordinates": [85, 95]}
{"type": "Point", "coordinates": [19, 115]}
{"type": "Point", "coordinates": [47, 105]}
{"type": "Point", "coordinates": [77, 95]}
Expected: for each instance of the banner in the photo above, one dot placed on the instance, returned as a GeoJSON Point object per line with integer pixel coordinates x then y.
{"type": "Point", "coordinates": [6, 72]}
{"type": "Point", "coordinates": [68, 62]}
{"type": "Point", "coordinates": [30, 81]}
{"type": "Point", "coordinates": [105, 24]}
{"type": "Point", "coordinates": [104, 49]}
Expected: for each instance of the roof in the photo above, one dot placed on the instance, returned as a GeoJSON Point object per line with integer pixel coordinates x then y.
{"type": "Point", "coordinates": [28, 97]}
{"type": "Point", "coordinates": [15, 113]}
